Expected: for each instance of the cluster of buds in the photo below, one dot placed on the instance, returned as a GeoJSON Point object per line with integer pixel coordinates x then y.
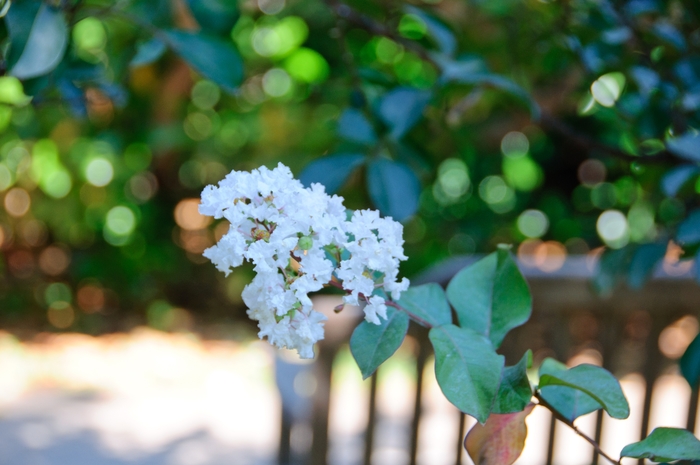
{"type": "Point", "coordinates": [300, 240]}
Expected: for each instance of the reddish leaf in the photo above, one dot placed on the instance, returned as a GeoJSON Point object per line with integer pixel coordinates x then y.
{"type": "Point", "coordinates": [500, 440]}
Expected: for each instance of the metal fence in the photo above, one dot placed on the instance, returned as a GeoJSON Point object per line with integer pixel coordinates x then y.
{"type": "Point", "coordinates": [638, 333]}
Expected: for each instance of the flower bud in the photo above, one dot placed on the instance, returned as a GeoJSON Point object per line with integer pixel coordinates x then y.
{"type": "Point", "coordinates": [305, 243]}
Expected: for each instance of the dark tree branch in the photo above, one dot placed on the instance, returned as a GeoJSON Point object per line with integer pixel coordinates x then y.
{"type": "Point", "coordinates": [571, 425]}
{"type": "Point", "coordinates": [373, 26]}
{"type": "Point", "coordinates": [551, 123]}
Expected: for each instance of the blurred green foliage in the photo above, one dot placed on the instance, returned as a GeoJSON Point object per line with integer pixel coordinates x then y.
{"type": "Point", "coordinates": [562, 126]}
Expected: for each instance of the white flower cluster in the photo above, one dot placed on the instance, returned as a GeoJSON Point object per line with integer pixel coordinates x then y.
{"type": "Point", "coordinates": [299, 240]}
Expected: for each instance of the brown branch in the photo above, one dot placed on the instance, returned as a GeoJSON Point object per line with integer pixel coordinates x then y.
{"type": "Point", "coordinates": [571, 425]}
{"type": "Point", "coordinates": [389, 303]}
{"type": "Point", "coordinates": [374, 27]}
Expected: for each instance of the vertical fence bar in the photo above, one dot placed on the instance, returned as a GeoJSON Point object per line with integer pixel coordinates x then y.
{"type": "Point", "coordinates": [417, 409]}
{"type": "Point", "coordinates": [550, 444]}
{"type": "Point", "coordinates": [321, 407]}
{"type": "Point", "coordinates": [651, 369]}
{"type": "Point", "coordinates": [460, 439]}
{"type": "Point", "coordinates": [693, 409]}
{"type": "Point", "coordinates": [371, 420]}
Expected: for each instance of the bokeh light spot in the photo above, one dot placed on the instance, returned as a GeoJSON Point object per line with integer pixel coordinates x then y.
{"type": "Point", "coordinates": [61, 315]}
{"type": "Point", "coordinates": [453, 177]}
{"type": "Point", "coordinates": [55, 292]}
{"type": "Point", "coordinates": [522, 173]}
{"type": "Point", "coordinates": [515, 144]}
{"type": "Point", "coordinates": [17, 202]}
{"type": "Point", "coordinates": [307, 65]}
{"type": "Point", "coordinates": [12, 92]}
{"type": "Point", "coordinates": [54, 260]}
{"type": "Point", "coordinates": [205, 94]}
{"type": "Point", "coordinates": [676, 337]}
{"type": "Point", "coordinates": [591, 172]}
{"type": "Point", "coordinates": [99, 172]}
{"type": "Point", "coordinates": [533, 223]}
{"type": "Point", "coordinates": [91, 298]}
{"type": "Point", "coordinates": [612, 227]}
{"type": "Point", "coordinates": [5, 177]}
{"type": "Point", "coordinates": [121, 220]}
{"type": "Point", "coordinates": [608, 88]}
{"type": "Point", "coordinates": [276, 82]}
{"type": "Point", "coordinates": [187, 215]}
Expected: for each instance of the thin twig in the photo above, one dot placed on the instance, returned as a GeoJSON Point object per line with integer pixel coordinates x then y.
{"type": "Point", "coordinates": [551, 123]}
{"type": "Point", "coordinates": [571, 425]}
{"type": "Point", "coordinates": [372, 26]}
{"type": "Point", "coordinates": [389, 303]}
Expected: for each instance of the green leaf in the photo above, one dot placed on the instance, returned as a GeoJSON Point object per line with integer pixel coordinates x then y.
{"type": "Point", "coordinates": [686, 146]}
{"type": "Point", "coordinates": [215, 15]}
{"type": "Point", "coordinates": [612, 268]}
{"type": "Point", "coordinates": [402, 108]}
{"type": "Point", "coordinates": [570, 403]}
{"type": "Point", "coordinates": [331, 171]}
{"type": "Point", "coordinates": [372, 344]}
{"type": "Point", "coordinates": [148, 52]}
{"type": "Point", "coordinates": [643, 263]}
{"type": "Point", "coordinates": [689, 230]}
{"type": "Point", "coordinates": [45, 45]}
{"type": "Point", "coordinates": [355, 127]}
{"type": "Point", "coordinates": [501, 440]}
{"type": "Point", "coordinates": [473, 71]}
{"type": "Point", "coordinates": [690, 363]}
{"type": "Point", "coordinates": [428, 302]}
{"type": "Point", "coordinates": [442, 35]}
{"type": "Point", "coordinates": [467, 369]}
{"type": "Point", "coordinates": [665, 445]}
{"type": "Point", "coordinates": [393, 188]}
{"type": "Point", "coordinates": [491, 296]}
{"type": "Point", "coordinates": [677, 177]}
{"type": "Point", "coordinates": [515, 392]}
{"type": "Point", "coordinates": [595, 381]}
{"type": "Point", "coordinates": [212, 57]}
{"type": "Point", "coordinates": [19, 21]}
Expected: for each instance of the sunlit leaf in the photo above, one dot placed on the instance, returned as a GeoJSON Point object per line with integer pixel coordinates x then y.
{"type": "Point", "coordinates": [212, 57]}
{"type": "Point", "coordinates": [569, 402]}
{"type": "Point", "coordinates": [594, 381]}
{"type": "Point", "coordinates": [491, 296]}
{"type": "Point", "coordinates": [331, 171]}
{"type": "Point", "coordinates": [499, 441]}
{"type": "Point", "coordinates": [428, 302]}
{"type": "Point", "coordinates": [372, 344]}
{"type": "Point", "coordinates": [45, 45]}
{"type": "Point", "coordinates": [665, 445]}
{"type": "Point", "coordinates": [467, 369]}
{"type": "Point", "coordinates": [393, 188]}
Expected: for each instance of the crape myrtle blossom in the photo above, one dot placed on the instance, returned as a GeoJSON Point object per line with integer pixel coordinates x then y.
{"type": "Point", "coordinates": [299, 240]}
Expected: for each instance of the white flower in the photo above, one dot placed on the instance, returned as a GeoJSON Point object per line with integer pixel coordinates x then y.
{"type": "Point", "coordinates": [287, 232]}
